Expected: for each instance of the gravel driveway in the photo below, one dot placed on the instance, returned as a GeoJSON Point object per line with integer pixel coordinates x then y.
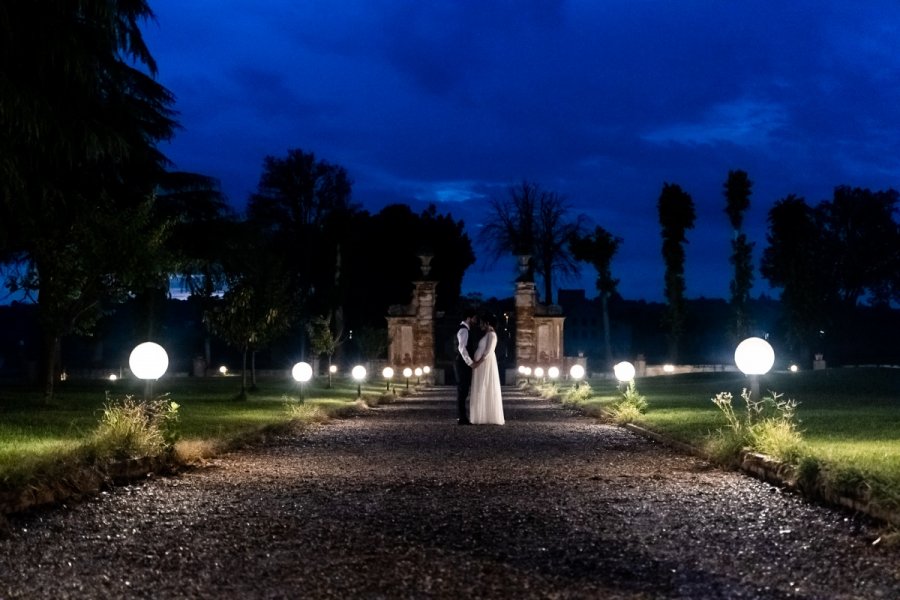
{"type": "Point", "coordinates": [403, 503]}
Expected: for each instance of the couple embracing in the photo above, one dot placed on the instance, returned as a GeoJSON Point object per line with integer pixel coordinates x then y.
{"type": "Point", "coordinates": [477, 371]}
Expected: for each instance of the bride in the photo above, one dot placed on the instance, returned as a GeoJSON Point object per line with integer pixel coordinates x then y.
{"type": "Point", "coordinates": [486, 404]}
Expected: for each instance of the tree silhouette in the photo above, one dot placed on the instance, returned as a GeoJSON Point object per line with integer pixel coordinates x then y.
{"type": "Point", "coordinates": [737, 200]}
{"type": "Point", "coordinates": [598, 249]}
{"type": "Point", "coordinates": [534, 222]}
{"type": "Point", "coordinates": [81, 115]}
{"type": "Point", "coordinates": [676, 215]}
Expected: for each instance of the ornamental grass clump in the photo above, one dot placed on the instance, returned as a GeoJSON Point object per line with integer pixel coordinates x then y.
{"type": "Point", "coordinates": [131, 428]}
{"type": "Point", "coordinates": [577, 395]}
{"type": "Point", "coordinates": [768, 426]}
{"type": "Point", "coordinates": [631, 406]}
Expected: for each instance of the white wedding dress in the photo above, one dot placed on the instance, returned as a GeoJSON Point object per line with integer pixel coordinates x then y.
{"type": "Point", "coordinates": [486, 403]}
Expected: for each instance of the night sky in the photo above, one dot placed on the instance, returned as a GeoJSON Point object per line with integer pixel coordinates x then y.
{"type": "Point", "coordinates": [601, 101]}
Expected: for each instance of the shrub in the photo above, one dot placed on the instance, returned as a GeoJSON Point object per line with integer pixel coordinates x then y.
{"type": "Point", "coordinates": [578, 394]}
{"type": "Point", "coordinates": [130, 428]}
{"type": "Point", "coordinates": [768, 426]}
{"type": "Point", "coordinates": [631, 406]}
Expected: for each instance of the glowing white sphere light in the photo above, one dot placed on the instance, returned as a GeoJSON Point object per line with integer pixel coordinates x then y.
{"type": "Point", "coordinates": [148, 361]}
{"type": "Point", "coordinates": [407, 372]}
{"type": "Point", "coordinates": [418, 371]}
{"type": "Point", "coordinates": [332, 369]}
{"type": "Point", "coordinates": [576, 372]}
{"type": "Point", "coordinates": [387, 373]}
{"type": "Point", "coordinates": [668, 368]}
{"type": "Point", "coordinates": [426, 369]}
{"type": "Point", "coordinates": [302, 372]}
{"type": "Point", "coordinates": [358, 373]}
{"type": "Point", "coordinates": [754, 356]}
{"type": "Point", "coordinates": [624, 371]}
{"type": "Point", "coordinates": [553, 372]}
{"type": "Point", "coordinates": [538, 372]}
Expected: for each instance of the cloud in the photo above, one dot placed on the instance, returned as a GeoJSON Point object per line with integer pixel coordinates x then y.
{"type": "Point", "coordinates": [743, 122]}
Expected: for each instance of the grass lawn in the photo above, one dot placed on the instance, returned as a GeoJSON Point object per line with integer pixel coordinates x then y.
{"type": "Point", "coordinates": [38, 439]}
{"type": "Point", "coordinates": [849, 418]}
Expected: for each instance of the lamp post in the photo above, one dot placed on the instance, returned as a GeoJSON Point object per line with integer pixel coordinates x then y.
{"type": "Point", "coordinates": [754, 357]}
{"type": "Point", "coordinates": [359, 374]}
{"type": "Point", "coordinates": [148, 361]}
{"type": "Point", "coordinates": [539, 373]}
{"type": "Point", "coordinates": [427, 371]}
{"type": "Point", "coordinates": [302, 372]}
{"type": "Point", "coordinates": [576, 372]}
{"type": "Point", "coordinates": [418, 373]}
{"type": "Point", "coordinates": [388, 373]}
{"type": "Point", "coordinates": [407, 372]}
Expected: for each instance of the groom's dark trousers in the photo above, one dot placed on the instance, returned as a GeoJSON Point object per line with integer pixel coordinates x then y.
{"type": "Point", "coordinates": [463, 374]}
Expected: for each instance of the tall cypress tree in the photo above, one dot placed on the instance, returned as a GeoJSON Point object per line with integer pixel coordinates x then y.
{"type": "Point", "coordinates": [676, 215]}
{"type": "Point", "coordinates": [737, 200]}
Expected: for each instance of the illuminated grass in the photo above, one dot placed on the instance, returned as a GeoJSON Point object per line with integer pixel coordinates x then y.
{"type": "Point", "coordinates": [41, 441]}
{"type": "Point", "coordinates": [849, 418]}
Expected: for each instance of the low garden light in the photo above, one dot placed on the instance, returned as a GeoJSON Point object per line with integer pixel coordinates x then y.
{"type": "Point", "coordinates": [553, 372]}
{"type": "Point", "coordinates": [302, 372]}
{"type": "Point", "coordinates": [332, 369]}
{"type": "Point", "coordinates": [794, 368]}
{"type": "Point", "coordinates": [359, 374]}
{"type": "Point", "coordinates": [388, 374]}
{"type": "Point", "coordinates": [539, 373]}
{"type": "Point", "coordinates": [407, 372]}
{"type": "Point", "coordinates": [624, 371]}
{"type": "Point", "coordinates": [418, 373]}
{"type": "Point", "coordinates": [223, 370]}
{"type": "Point", "coordinates": [754, 357]}
{"type": "Point", "coordinates": [113, 377]}
{"type": "Point", "coordinates": [576, 372]}
{"type": "Point", "coordinates": [148, 361]}
{"type": "Point", "coordinates": [426, 369]}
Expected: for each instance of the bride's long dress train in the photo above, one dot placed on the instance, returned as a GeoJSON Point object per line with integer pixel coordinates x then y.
{"type": "Point", "coordinates": [486, 404]}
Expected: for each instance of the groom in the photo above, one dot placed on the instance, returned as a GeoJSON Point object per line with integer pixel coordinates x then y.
{"type": "Point", "coordinates": [462, 366]}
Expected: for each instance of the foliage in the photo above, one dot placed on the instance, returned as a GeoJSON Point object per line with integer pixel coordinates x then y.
{"type": "Point", "coordinates": [598, 249]}
{"type": "Point", "coordinates": [81, 117]}
{"type": "Point", "coordinates": [534, 222]}
{"type": "Point", "coordinates": [828, 257]}
{"type": "Point", "coordinates": [372, 342]}
{"type": "Point", "coordinates": [767, 426]}
{"type": "Point", "coordinates": [132, 429]}
{"type": "Point", "coordinates": [577, 394]}
{"type": "Point", "coordinates": [676, 215]}
{"type": "Point", "coordinates": [737, 195]}
{"type": "Point", "coordinates": [384, 259]}
{"type": "Point", "coordinates": [321, 338]}
{"type": "Point", "coordinates": [631, 406]}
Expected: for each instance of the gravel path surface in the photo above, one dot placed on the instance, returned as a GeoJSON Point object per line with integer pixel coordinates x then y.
{"type": "Point", "coordinates": [403, 503]}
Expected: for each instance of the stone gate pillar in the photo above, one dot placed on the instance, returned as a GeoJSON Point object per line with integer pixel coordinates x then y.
{"type": "Point", "coordinates": [526, 299]}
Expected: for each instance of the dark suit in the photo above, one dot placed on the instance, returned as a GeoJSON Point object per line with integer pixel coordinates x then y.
{"type": "Point", "coordinates": [463, 374]}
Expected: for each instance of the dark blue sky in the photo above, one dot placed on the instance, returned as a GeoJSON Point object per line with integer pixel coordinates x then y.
{"type": "Point", "coordinates": [602, 101]}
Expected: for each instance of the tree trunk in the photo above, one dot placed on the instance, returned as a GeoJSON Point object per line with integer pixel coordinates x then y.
{"type": "Point", "coordinates": [243, 394]}
{"type": "Point", "coordinates": [607, 338]}
{"type": "Point", "coordinates": [253, 371]}
{"type": "Point", "coordinates": [51, 354]}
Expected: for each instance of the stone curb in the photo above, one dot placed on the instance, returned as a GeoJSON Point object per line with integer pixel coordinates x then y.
{"type": "Point", "coordinates": [784, 475]}
{"type": "Point", "coordinates": [84, 481]}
